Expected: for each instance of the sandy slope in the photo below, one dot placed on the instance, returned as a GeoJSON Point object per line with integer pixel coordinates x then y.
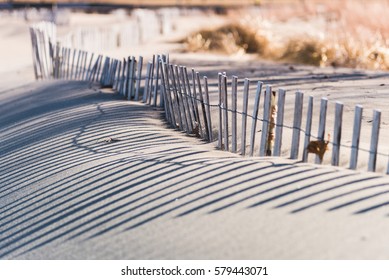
{"type": "Point", "coordinates": [156, 193]}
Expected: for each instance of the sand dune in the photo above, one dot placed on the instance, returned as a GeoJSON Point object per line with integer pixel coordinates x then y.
{"type": "Point", "coordinates": [88, 175]}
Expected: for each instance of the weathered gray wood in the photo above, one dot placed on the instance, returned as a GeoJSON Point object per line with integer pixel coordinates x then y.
{"type": "Point", "coordinates": [170, 96]}
{"type": "Point", "coordinates": [322, 124]}
{"type": "Point", "coordinates": [177, 84]}
{"type": "Point", "coordinates": [139, 77]}
{"type": "Point", "coordinates": [202, 106]}
{"type": "Point", "coordinates": [165, 94]}
{"type": "Point", "coordinates": [298, 113]}
{"type": "Point", "coordinates": [186, 100]}
{"type": "Point", "coordinates": [255, 118]}
{"type": "Point", "coordinates": [118, 76]}
{"type": "Point", "coordinates": [234, 104]}
{"type": "Point", "coordinates": [176, 98]}
{"type": "Point", "coordinates": [155, 93]}
{"type": "Point", "coordinates": [208, 106]}
{"type": "Point", "coordinates": [190, 99]}
{"type": "Point", "coordinates": [151, 81]}
{"type": "Point", "coordinates": [147, 82]}
{"type": "Point", "coordinates": [130, 77]}
{"type": "Point", "coordinates": [356, 137]}
{"type": "Point", "coordinates": [196, 105]}
{"type": "Point", "coordinates": [78, 65]}
{"type": "Point", "coordinates": [88, 74]}
{"type": "Point", "coordinates": [265, 123]}
{"type": "Point", "coordinates": [375, 131]}
{"type": "Point", "coordinates": [337, 134]}
{"type": "Point", "coordinates": [98, 72]}
{"type": "Point", "coordinates": [308, 128]}
{"type": "Point", "coordinates": [279, 122]}
{"type": "Point", "coordinates": [225, 113]}
{"type": "Point", "coordinates": [246, 90]}
{"type": "Point", "coordinates": [220, 127]}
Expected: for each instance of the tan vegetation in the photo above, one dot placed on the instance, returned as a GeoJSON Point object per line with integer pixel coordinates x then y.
{"type": "Point", "coordinates": [348, 33]}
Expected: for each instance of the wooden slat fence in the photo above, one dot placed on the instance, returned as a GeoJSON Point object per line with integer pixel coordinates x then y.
{"type": "Point", "coordinates": [185, 100]}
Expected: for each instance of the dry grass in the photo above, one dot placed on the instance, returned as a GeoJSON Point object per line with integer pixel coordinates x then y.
{"type": "Point", "coordinates": [231, 38]}
{"type": "Point", "coordinates": [349, 33]}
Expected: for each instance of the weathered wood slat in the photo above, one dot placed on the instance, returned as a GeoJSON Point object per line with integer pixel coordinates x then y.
{"type": "Point", "coordinates": [225, 113]}
{"type": "Point", "coordinates": [176, 98]}
{"type": "Point", "coordinates": [308, 128]}
{"type": "Point", "coordinates": [139, 77]}
{"type": "Point", "coordinates": [375, 131]}
{"type": "Point", "coordinates": [279, 123]}
{"type": "Point", "coordinates": [337, 134]}
{"type": "Point", "coordinates": [208, 106]}
{"type": "Point", "coordinates": [246, 90]}
{"type": "Point", "coordinates": [298, 113]}
{"type": "Point", "coordinates": [220, 127]}
{"type": "Point", "coordinates": [147, 82]}
{"type": "Point", "coordinates": [265, 123]}
{"type": "Point", "coordinates": [322, 124]}
{"type": "Point", "coordinates": [202, 106]}
{"type": "Point", "coordinates": [234, 104]}
{"type": "Point", "coordinates": [151, 81]}
{"type": "Point", "coordinates": [196, 105]}
{"type": "Point", "coordinates": [177, 84]}
{"type": "Point", "coordinates": [155, 93]}
{"type": "Point", "coordinates": [186, 100]}
{"type": "Point", "coordinates": [255, 118]}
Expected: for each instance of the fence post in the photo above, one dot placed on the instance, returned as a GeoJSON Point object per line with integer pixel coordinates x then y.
{"type": "Point", "coordinates": [279, 123]}
{"type": "Point", "coordinates": [151, 81]}
{"type": "Point", "coordinates": [298, 112]}
{"type": "Point", "coordinates": [234, 103]}
{"type": "Point", "coordinates": [220, 130]}
{"type": "Point", "coordinates": [246, 90]}
{"type": "Point", "coordinates": [177, 86]}
{"type": "Point", "coordinates": [191, 101]}
{"type": "Point", "coordinates": [209, 116]}
{"type": "Point", "coordinates": [337, 133]}
{"type": "Point", "coordinates": [156, 83]}
{"type": "Point", "coordinates": [140, 65]}
{"type": "Point", "coordinates": [176, 99]}
{"type": "Point", "coordinates": [225, 113]}
{"type": "Point", "coordinates": [196, 107]}
{"type": "Point", "coordinates": [164, 93]}
{"type": "Point", "coordinates": [202, 105]}
{"type": "Point", "coordinates": [188, 106]}
{"type": "Point", "coordinates": [374, 140]}
{"type": "Point", "coordinates": [255, 118]}
{"type": "Point", "coordinates": [265, 124]}
{"type": "Point", "coordinates": [356, 137]}
{"type": "Point", "coordinates": [308, 128]}
{"type": "Point", "coordinates": [322, 124]}
{"type": "Point", "coordinates": [147, 82]}
{"type": "Point", "coordinates": [168, 93]}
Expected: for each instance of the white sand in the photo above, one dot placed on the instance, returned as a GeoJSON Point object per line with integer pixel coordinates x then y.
{"type": "Point", "coordinates": [158, 194]}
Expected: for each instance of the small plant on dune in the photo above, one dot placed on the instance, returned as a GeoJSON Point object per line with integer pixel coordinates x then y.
{"type": "Point", "coordinates": [230, 38]}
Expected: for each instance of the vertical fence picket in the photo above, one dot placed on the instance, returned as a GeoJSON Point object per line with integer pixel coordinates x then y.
{"type": "Point", "coordinates": [308, 128]}
{"type": "Point", "coordinates": [255, 118]}
{"type": "Point", "coordinates": [202, 106]}
{"type": "Point", "coordinates": [322, 125]}
{"type": "Point", "coordinates": [220, 127]}
{"type": "Point", "coordinates": [177, 86]}
{"type": "Point", "coordinates": [375, 130]}
{"type": "Point", "coordinates": [186, 100]}
{"type": "Point", "coordinates": [139, 77]}
{"type": "Point", "coordinates": [176, 98]}
{"type": "Point", "coordinates": [151, 81]}
{"type": "Point", "coordinates": [266, 119]}
{"type": "Point", "coordinates": [191, 100]}
{"type": "Point", "coordinates": [156, 83]}
{"type": "Point", "coordinates": [337, 134]}
{"type": "Point", "coordinates": [147, 82]}
{"type": "Point", "coordinates": [246, 89]}
{"type": "Point", "coordinates": [279, 123]}
{"type": "Point", "coordinates": [356, 137]}
{"type": "Point", "coordinates": [195, 103]}
{"type": "Point", "coordinates": [298, 113]}
{"type": "Point", "coordinates": [208, 106]}
{"type": "Point", "coordinates": [234, 104]}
